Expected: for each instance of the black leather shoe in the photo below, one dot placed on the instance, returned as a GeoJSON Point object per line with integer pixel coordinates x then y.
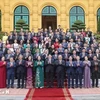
{"type": "Point", "coordinates": [7, 87]}
{"type": "Point", "coordinates": [97, 86]}
{"type": "Point", "coordinates": [12, 86]}
{"type": "Point", "coordinates": [18, 87]}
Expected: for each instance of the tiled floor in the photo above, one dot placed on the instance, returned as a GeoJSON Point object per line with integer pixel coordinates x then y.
{"type": "Point", "coordinates": [85, 91]}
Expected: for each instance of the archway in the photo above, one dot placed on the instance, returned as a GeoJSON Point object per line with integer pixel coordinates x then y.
{"type": "Point", "coordinates": [21, 12]}
{"type": "Point", "coordinates": [76, 13]}
{"type": "Point", "coordinates": [49, 17]}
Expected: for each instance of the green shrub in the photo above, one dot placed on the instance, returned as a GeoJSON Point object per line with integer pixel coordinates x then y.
{"type": "Point", "coordinates": [78, 25]}
{"type": "Point", "coordinates": [2, 34]}
{"type": "Point", "coordinates": [21, 24]}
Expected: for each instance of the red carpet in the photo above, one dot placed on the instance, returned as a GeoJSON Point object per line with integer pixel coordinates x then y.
{"type": "Point", "coordinates": [49, 94]}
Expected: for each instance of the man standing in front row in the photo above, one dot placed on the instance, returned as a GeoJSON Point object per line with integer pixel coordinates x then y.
{"type": "Point", "coordinates": [49, 63]}
{"type": "Point", "coordinates": [20, 71]}
{"type": "Point", "coordinates": [95, 71]}
{"type": "Point", "coordinates": [60, 68]}
{"type": "Point", "coordinates": [79, 72]}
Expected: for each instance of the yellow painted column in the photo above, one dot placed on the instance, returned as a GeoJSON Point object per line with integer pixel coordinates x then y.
{"type": "Point", "coordinates": [35, 20]}
{"type": "Point", "coordinates": [63, 15]}
{"type": "Point", "coordinates": [6, 16]}
{"type": "Point", "coordinates": [91, 17]}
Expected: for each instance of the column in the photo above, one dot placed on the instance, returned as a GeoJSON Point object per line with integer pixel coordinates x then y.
{"type": "Point", "coordinates": [91, 18]}
{"type": "Point", "coordinates": [35, 15]}
{"type": "Point", "coordinates": [63, 15]}
{"type": "Point", "coordinates": [6, 16]}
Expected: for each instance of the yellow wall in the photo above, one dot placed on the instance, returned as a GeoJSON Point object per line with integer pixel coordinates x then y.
{"type": "Point", "coordinates": [35, 8]}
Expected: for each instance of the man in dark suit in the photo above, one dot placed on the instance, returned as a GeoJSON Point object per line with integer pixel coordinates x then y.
{"type": "Point", "coordinates": [10, 72]}
{"type": "Point", "coordinates": [55, 56]}
{"type": "Point", "coordinates": [60, 67]}
{"type": "Point", "coordinates": [65, 55]}
{"type": "Point", "coordinates": [79, 72]}
{"type": "Point", "coordinates": [8, 55]}
{"type": "Point", "coordinates": [20, 63]}
{"type": "Point", "coordinates": [70, 71]}
{"type": "Point", "coordinates": [49, 64]}
{"type": "Point", "coordinates": [95, 71]}
{"type": "Point", "coordinates": [83, 54]}
{"type": "Point", "coordinates": [26, 54]}
{"type": "Point", "coordinates": [97, 54]}
{"type": "Point", "coordinates": [60, 49]}
{"type": "Point", "coordinates": [89, 33]}
{"type": "Point", "coordinates": [11, 38]}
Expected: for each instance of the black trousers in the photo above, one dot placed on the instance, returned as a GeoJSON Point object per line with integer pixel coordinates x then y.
{"type": "Point", "coordinates": [49, 78]}
{"type": "Point", "coordinates": [70, 76]}
{"type": "Point", "coordinates": [95, 76]}
{"type": "Point", "coordinates": [60, 78]}
{"type": "Point", "coordinates": [20, 76]}
{"type": "Point", "coordinates": [79, 78]}
{"type": "Point", "coordinates": [10, 76]}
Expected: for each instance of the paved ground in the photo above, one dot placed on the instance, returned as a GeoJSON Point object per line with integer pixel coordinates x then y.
{"type": "Point", "coordinates": [77, 94]}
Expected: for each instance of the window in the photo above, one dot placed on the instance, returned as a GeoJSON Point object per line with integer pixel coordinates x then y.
{"type": "Point", "coordinates": [21, 12]}
{"type": "Point", "coordinates": [76, 13]}
{"type": "Point", "coordinates": [98, 14]}
{"type": "Point", "coordinates": [0, 21]}
{"type": "Point", "coordinates": [49, 11]}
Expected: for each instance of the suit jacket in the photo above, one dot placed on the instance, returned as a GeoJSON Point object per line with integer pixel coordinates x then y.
{"type": "Point", "coordinates": [55, 57]}
{"type": "Point", "coordinates": [11, 39]}
{"type": "Point", "coordinates": [49, 66]}
{"type": "Point", "coordinates": [79, 68]}
{"type": "Point", "coordinates": [89, 33]}
{"type": "Point", "coordinates": [70, 68]}
{"type": "Point", "coordinates": [98, 57]}
{"type": "Point", "coordinates": [60, 50]}
{"type": "Point", "coordinates": [95, 66]}
{"type": "Point", "coordinates": [82, 57]}
{"type": "Point", "coordinates": [11, 69]}
{"type": "Point", "coordinates": [65, 56]}
{"type": "Point", "coordinates": [60, 67]}
{"type": "Point", "coordinates": [7, 56]}
{"type": "Point", "coordinates": [20, 67]}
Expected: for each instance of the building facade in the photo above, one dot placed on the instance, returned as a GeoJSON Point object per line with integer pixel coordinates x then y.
{"type": "Point", "coordinates": [44, 13]}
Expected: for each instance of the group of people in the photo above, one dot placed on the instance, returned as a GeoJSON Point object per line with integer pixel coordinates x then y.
{"type": "Point", "coordinates": [48, 56]}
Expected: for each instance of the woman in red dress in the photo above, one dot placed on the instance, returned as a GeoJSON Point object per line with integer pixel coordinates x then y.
{"type": "Point", "coordinates": [2, 73]}
{"type": "Point", "coordinates": [56, 44]}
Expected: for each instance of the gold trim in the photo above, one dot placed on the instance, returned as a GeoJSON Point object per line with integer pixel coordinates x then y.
{"type": "Point", "coordinates": [66, 94]}
{"type": "Point", "coordinates": [31, 94]}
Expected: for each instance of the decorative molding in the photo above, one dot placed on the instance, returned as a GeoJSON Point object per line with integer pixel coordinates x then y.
{"type": "Point", "coordinates": [91, 5]}
{"type": "Point", "coordinates": [6, 4]}
{"type": "Point", "coordinates": [76, 4]}
{"type": "Point", "coordinates": [6, 26]}
{"type": "Point", "coordinates": [91, 19]}
{"type": "Point", "coordinates": [91, 12]}
{"type": "Point", "coordinates": [18, 4]}
{"type": "Point", "coordinates": [63, 19]}
{"type": "Point", "coordinates": [35, 4]}
{"type": "Point", "coordinates": [34, 19]}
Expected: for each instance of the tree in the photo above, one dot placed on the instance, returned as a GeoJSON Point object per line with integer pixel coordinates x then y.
{"type": "Point", "coordinates": [98, 26]}
{"type": "Point", "coordinates": [21, 24]}
{"type": "Point", "coordinates": [78, 25]}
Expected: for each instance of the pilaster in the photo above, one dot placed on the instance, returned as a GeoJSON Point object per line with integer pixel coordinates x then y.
{"type": "Point", "coordinates": [6, 16]}
{"type": "Point", "coordinates": [91, 17]}
{"type": "Point", "coordinates": [63, 14]}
